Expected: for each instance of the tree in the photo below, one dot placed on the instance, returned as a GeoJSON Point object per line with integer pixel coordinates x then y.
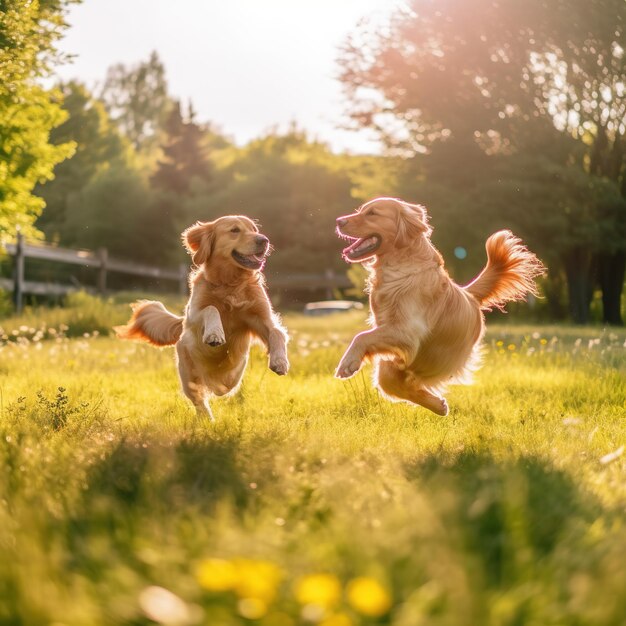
{"type": "Point", "coordinates": [505, 76]}
{"type": "Point", "coordinates": [28, 112]}
{"type": "Point", "coordinates": [184, 153]}
{"type": "Point", "coordinates": [564, 214]}
{"type": "Point", "coordinates": [98, 144]}
{"type": "Point", "coordinates": [295, 188]}
{"type": "Point", "coordinates": [137, 100]}
{"type": "Point", "coordinates": [112, 211]}
{"type": "Point", "coordinates": [183, 172]}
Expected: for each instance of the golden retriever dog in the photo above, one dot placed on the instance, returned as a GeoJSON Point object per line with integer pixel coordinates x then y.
{"type": "Point", "coordinates": [228, 308]}
{"type": "Point", "coordinates": [426, 329]}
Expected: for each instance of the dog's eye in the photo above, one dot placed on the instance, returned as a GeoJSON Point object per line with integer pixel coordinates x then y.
{"type": "Point", "coordinates": [235, 229]}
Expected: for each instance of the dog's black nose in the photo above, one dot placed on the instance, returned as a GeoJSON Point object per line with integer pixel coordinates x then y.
{"type": "Point", "coordinates": [341, 221]}
{"type": "Point", "coordinates": [261, 240]}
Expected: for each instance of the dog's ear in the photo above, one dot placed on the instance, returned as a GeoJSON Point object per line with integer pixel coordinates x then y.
{"type": "Point", "coordinates": [199, 240]}
{"type": "Point", "coordinates": [412, 222]}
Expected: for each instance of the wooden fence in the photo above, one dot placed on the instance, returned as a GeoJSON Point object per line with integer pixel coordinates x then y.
{"type": "Point", "coordinates": [100, 260]}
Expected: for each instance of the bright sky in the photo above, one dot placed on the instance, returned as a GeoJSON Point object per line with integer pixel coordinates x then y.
{"type": "Point", "coordinates": [247, 65]}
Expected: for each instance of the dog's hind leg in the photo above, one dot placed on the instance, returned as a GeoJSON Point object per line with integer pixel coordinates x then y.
{"type": "Point", "coordinates": [404, 385]}
{"type": "Point", "coordinates": [225, 382]}
{"type": "Point", "coordinates": [192, 384]}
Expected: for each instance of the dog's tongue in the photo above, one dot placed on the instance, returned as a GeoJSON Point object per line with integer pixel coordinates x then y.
{"type": "Point", "coordinates": [256, 259]}
{"type": "Point", "coordinates": [358, 244]}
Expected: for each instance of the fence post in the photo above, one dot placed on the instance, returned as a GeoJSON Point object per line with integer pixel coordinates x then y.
{"type": "Point", "coordinates": [18, 285]}
{"type": "Point", "coordinates": [103, 257]}
{"type": "Point", "coordinates": [182, 281]}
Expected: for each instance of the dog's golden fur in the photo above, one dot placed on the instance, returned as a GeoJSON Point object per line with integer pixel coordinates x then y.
{"type": "Point", "coordinates": [228, 308]}
{"type": "Point", "coordinates": [426, 329]}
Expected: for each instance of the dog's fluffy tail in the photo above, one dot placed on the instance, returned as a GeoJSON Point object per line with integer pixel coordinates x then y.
{"type": "Point", "coordinates": [153, 323]}
{"type": "Point", "coordinates": [509, 274]}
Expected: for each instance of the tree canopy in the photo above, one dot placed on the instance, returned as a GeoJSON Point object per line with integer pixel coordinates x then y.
{"type": "Point", "coordinates": [98, 144]}
{"type": "Point", "coordinates": [475, 87]}
{"type": "Point", "coordinates": [137, 100]}
{"type": "Point", "coordinates": [29, 31]}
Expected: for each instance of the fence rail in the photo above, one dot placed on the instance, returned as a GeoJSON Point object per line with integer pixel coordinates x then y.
{"type": "Point", "coordinates": [100, 260]}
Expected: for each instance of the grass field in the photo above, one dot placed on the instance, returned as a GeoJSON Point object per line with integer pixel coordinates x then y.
{"type": "Point", "coordinates": [310, 500]}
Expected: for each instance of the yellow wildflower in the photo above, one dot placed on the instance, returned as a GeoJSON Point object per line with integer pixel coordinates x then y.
{"type": "Point", "coordinates": [256, 579]}
{"type": "Point", "coordinates": [511, 347]}
{"type": "Point", "coordinates": [217, 575]}
{"type": "Point", "coordinates": [321, 589]}
{"type": "Point", "coordinates": [368, 596]}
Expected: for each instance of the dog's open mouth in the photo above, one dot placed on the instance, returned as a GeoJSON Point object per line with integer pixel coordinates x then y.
{"type": "Point", "coordinates": [250, 261]}
{"type": "Point", "coordinates": [361, 248]}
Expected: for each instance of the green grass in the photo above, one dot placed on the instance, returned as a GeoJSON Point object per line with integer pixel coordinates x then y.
{"type": "Point", "coordinates": [506, 512]}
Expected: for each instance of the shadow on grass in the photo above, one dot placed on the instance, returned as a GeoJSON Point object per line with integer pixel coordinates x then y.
{"type": "Point", "coordinates": [164, 475]}
{"type": "Point", "coordinates": [510, 514]}
{"type": "Point", "coordinates": [148, 489]}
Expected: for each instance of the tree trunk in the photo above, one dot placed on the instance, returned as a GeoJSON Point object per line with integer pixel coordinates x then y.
{"type": "Point", "coordinates": [578, 285]}
{"type": "Point", "coordinates": [611, 271]}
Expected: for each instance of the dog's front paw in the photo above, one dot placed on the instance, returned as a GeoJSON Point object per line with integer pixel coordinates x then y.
{"type": "Point", "coordinates": [279, 365]}
{"type": "Point", "coordinates": [348, 367]}
{"type": "Point", "coordinates": [214, 338]}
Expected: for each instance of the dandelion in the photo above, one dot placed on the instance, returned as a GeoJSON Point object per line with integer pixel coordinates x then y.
{"type": "Point", "coordinates": [511, 347]}
{"type": "Point", "coordinates": [256, 579]}
{"type": "Point", "coordinates": [320, 589]}
{"type": "Point", "coordinates": [368, 597]}
{"type": "Point", "coordinates": [499, 343]}
{"type": "Point", "coordinates": [543, 341]}
{"type": "Point", "coordinates": [216, 575]}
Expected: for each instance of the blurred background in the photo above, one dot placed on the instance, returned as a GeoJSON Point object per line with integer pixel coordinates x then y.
{"type": "Point", "coordinates": [124, 122]}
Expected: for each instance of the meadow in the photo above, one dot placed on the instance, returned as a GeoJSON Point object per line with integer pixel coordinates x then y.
{"type": "Point", "coordinates": [309, 500]}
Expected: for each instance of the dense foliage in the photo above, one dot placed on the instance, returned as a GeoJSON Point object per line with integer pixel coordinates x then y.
{"type": "Point", "coordinates": [494, 116]}
{"type": "Point", "coordinates": [521, 104]}
{"type": "Point", "coordinates": [28, 111]}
